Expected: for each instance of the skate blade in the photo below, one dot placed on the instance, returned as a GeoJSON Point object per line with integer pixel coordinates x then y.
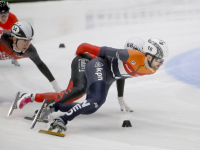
{"type": "Point", "coordinates": [38, 114]}
{"type": "Point", "coordinates": [32, 118]}
{"type": "Point", "coordinates": [52, 133]}
{"type": "Point", "coordinates": [12, 107]}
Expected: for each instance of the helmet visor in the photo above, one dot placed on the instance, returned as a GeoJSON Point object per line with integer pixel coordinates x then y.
{"type": "Point", "coordinates": [159, 60]}
{"type": "Point", "coordinates": [159, 53]}
{"type": "Point", "coordinates": [5, 14]}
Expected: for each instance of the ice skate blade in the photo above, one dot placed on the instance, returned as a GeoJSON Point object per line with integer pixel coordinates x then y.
{"type": "Point", "coordinates": [38, 114]}
{"type": "Point", "coordinates": [32, 118]}
{"type": "Point", "coordinates": [12, 107]}
{"type": "Point", "coordinates": [52, 133]}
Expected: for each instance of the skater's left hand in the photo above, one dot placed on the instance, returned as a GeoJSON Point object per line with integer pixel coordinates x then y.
{"type": "Point", "coordinates": [56, 87]}
{"type": "Point", "coordinates": [123, 105]}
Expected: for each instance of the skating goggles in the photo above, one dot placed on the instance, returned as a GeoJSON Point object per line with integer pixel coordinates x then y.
{"type": "Point", "coordinates": [159, 60]}
{"type": "Point", "coordinates": [6, 14]}
{"type": "Point", "coordinates": [25, 41]}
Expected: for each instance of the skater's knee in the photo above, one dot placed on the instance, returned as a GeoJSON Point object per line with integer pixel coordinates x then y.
{"type": "Point", "coordinates": [81, 90]}
{"type": "Point", "coordinates": [74, 99]}
{"type": "Point", "coordinates": [38, 98]}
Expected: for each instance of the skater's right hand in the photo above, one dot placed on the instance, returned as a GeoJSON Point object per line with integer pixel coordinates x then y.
{"type": "Point", "coordinates": [123, 105]}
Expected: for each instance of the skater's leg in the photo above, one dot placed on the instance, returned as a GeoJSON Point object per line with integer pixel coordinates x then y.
{"type": "Point", "coordinates": [77, 84]}
{"type": "Point", "coordinates": [76, 87]}
{"type": "Point", "coordinates": [96, 91]}
{"type": "Point", "coordinates": [40, 97]}
{"type": "Point", "coordinates": [75, 90]}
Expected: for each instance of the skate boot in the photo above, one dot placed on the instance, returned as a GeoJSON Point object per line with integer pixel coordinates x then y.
{"type": "Point", "coordinates": [15, 62]}
{"type": "Point", "coordinates": [46, 112]}
{"type": "Point", "coordinates": [58, 123]}
{"type": "Point", "coordinates": [24, 99]}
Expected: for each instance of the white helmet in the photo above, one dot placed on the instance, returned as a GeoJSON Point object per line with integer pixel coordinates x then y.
{"type": "Point", "coordinates": [135, 43]}
{"type": "Point", "coordinates": [22, 30]}
{"type": "Point", "coordinates": [157, 48]}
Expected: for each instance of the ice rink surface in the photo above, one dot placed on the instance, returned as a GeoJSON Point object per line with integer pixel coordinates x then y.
{"type": "Point", "coordinates": [166, 105]}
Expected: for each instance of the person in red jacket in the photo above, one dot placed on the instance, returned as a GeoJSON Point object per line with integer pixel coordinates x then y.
{"type": "Point", "coordinates": [7, 20]}
{"type": "Point", "coordinates": [16, 43]}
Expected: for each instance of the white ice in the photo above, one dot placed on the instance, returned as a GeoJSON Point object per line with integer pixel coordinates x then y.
{"type": "Point", "coordinates": [166, 109]}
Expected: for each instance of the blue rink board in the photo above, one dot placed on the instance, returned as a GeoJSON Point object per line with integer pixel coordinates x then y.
{"type": "Point", "coordinates": [186, 67]}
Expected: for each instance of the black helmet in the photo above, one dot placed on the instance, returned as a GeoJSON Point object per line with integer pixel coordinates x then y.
{"type": "Point", "coordinates": [4, 7]}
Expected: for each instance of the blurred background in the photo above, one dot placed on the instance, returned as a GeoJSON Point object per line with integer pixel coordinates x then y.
{"type": "Point", "coordinates": [78, 15]}
{"type": "Point", "coordinates": [19, 1]}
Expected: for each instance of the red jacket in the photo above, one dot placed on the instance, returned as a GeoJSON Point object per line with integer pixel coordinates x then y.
{"type": "Point", "coordinates": [9, 23]}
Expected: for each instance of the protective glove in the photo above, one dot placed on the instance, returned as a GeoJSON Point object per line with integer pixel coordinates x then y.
{"type": "Point", "coordinates": [123, 105]}
{"type": "Point", "coordinates": [56, 87]}
{"type": "Point", "coordinates": [15, 62]}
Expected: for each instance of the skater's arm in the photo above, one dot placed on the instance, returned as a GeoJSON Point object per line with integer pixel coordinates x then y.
{"type": "Point", "coordinates": [44, 69]}
{"type": "Point", "coordinates": [85, 47]}
{"type": "Point", "coordinates": [121, 54]}
{"type": "Point", "coordinates": [120, 89]}
{"type": "Point", "coordinates": [42, 66]}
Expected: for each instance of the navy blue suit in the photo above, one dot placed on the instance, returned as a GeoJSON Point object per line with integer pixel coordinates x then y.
{"type": "Point", "coordinates": [99, 79]}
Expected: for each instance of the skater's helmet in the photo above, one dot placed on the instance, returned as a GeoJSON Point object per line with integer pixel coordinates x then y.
{"type": "Point", "coordinates": [134, 43]}
{"type": "Point", "coordinates": [4, 7]}
{"type": "Point", "coordinates": [22, 30]}
{"type": "Point", "coordinates": [156, 48]}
